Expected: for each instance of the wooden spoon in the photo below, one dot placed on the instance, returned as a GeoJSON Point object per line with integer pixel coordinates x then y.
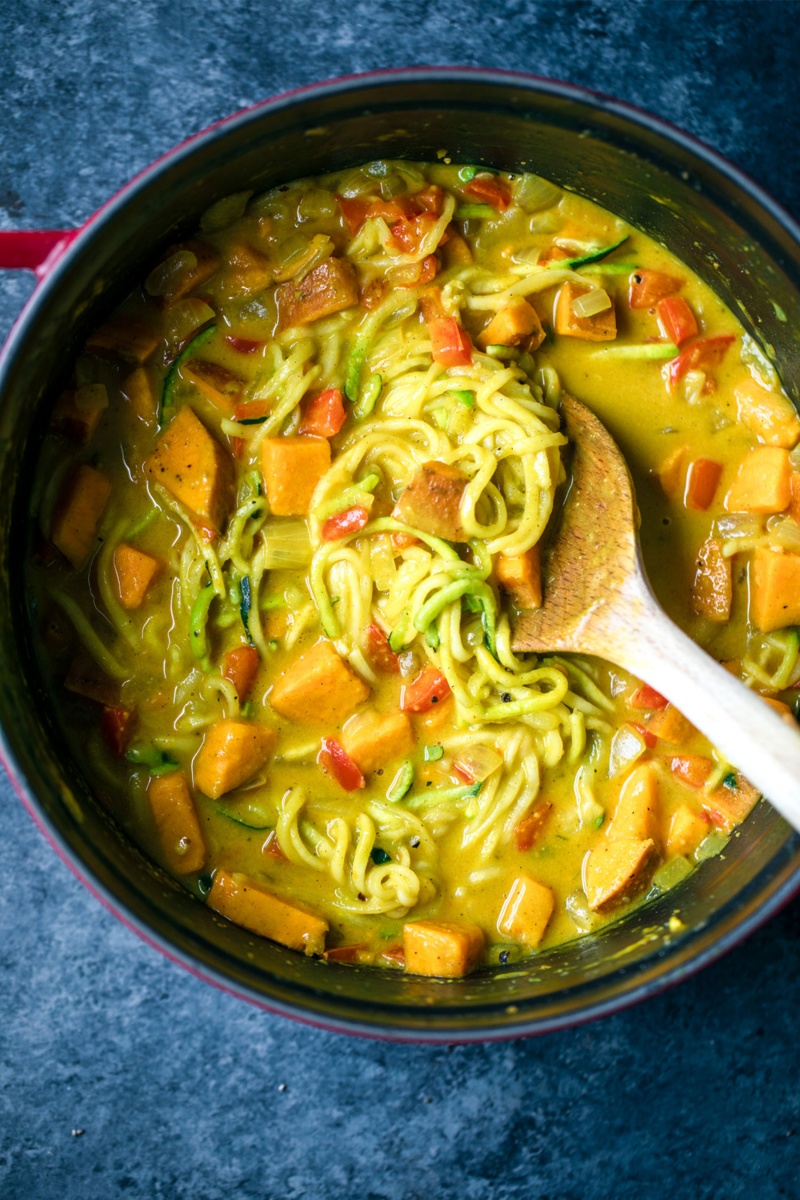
{"type": "Point", "coordinates": [597, 600]}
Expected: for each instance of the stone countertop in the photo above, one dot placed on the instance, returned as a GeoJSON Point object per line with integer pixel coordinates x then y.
{"type": "Point", "coordinates": [122, 1075]}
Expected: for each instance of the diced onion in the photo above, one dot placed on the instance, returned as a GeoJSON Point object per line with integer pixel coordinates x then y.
{"type": "Point", "coordinates": [286, 545]}
{"type": "Point", "coordinates": [224, 212]}
{"type": "Point", "coordinates": [532, 193]}
{"type": "Point", "coordinates": [626, 747]}
{"type": "Point", "coordinates": [784, 532]}
{"type": "Point", "coordinates": [478, 762]}
{"type": "Point", "coordinates": [739, 525]}
{"type": "Point", "coordinates": [590, 303]}
{"type": "Point", "coordinates": [162, 279]}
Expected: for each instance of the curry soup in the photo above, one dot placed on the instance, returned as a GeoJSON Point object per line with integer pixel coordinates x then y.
{"type": "Point", "coordinates": [290, 506]}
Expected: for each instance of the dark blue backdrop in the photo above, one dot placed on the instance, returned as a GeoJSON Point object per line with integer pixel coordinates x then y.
{"type": "Point", "coordinates": [120, 1075]}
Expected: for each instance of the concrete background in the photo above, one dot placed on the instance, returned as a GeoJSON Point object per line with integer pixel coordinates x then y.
{"type": "Point", "coordinates": [121, 1075]}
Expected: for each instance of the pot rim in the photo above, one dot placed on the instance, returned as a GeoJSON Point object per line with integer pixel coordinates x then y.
{"type": "Point", "coordinates": [59, 262]}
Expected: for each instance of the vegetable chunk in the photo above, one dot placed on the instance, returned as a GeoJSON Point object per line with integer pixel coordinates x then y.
{"type": "Point", "coordinates": [712, 590]}
{"type": "Point", "coordinates": [636, 815]}
{"type": "Point", "coordinates": [602, 327]}
{"type": "Point", "coordinates": [432, 501]}
{"type": "Point", "coordinates": [190, 463]}
{"type": "Point", "coordinates": [237, 898]}
{"type": "Point", "coordinates": [774, 589]}
{"type": "Point", "coordinates": [518, 322]}
{"type": "Point", "coordinates": [136, 571]}
{"type": "Point", "coordinates": [231, 753]}
{"type": "Point", "coordinates": [80, 507]}
{"type": "Point", "coordinates": [179, 833]}
{"type": "Point", "coordinates": [329, 288]}
{"type": "Point", "coordinates": [442, 948]}
{"type": "Point", "coordinates": [526, 911]}
{"type": "Point", "coordinates": [520, 575]}
{"type": "Point", "coordinates": [318, 687]}
{"type": "Point", "coordinates": [615, 870]}
{"type": "Point", "coordinates": [293, 466]}
{"type": "Point", "coordinates": [687, 829]}
{"type": "Point", "coordinates": [374, 739]}
{"type": "Point", "coordinates": [769, 415]}
{"type": "Point", "coordinates": [763, 482]}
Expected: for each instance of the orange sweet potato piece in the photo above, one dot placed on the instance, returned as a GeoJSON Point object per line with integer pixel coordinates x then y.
{"type": "Point", "coordinates": [329, 288]}
{"type": "Point", "coordinates": [191, 464]}
{"type": "Point", "coordinates": [293, 466]}
{"type": "Point", "coordinates": [237, 898]}
{"type": "Point", "coordinates": [187, 280]}
{"type": "Point", "coordinates": [373, 739]}
{"type": "Point", "coordinates": [769, 415]}
{"type": "Point", "coordinates": [774, 589]}
{"type": "Point", "coordinates": [762, 483]}
{"type": "Point", "coordinates": [443, 948]}
{"type": "Point", "coordinates": [81, 503]}
{"type": "Point", "coordinates": [602, 327]}
{"type": "Point", "coordinates": [670, 725]}
{"type": "Point", "coordinates": [319, 687]}
{"type": "Point", "coordinates": [637, 812]}
{"type": "Point", "coordinates": [615, 870]}
{"type": "Point", "coordinates": [702, 480]}
{"type": "Point", "coordinates": [432, 501]}
{"type": "Point", "coordinates": [136, 571]}
{"type": "Point", "coordinates": [526, 911]}
{"type": "Point", "coordinates": [176, 822]}
{"type": "Point", "coordinates": [520, 575]}
{"type": "Point", "coordinates": [712, 590]}
{"type": "Point", "coordinates": [231, 753]}
{"type": "Point", "coordinates": [729, 805]}
{"type": "Point", "coordinates": [219, 385]}
{"type": "Point", "coordinates": [77, 413]}
{"type": "Point", "coordinates": [140, 392]}
{"type": "Point", "coordinates": [240, 667]}
{"type": "Point", "coordinates": [670, 471]}
{"type": "Point", "coordinates": [686, 831]}
{"type": "Point", "coordinates": [526, 831]}
{"type": "Point", "coordinates": [514, 324]}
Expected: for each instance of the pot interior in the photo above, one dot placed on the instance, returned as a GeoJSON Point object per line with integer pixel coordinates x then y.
{"type": "Point", "coordinates": [663, 184]}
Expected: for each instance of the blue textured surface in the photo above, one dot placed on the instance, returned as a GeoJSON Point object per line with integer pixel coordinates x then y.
{"type": "Point", "coordinates": [179, 1091]}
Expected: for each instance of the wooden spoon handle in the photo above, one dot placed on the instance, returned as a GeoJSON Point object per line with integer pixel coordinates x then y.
{"type": "Point", "coordinates": [751, 735]}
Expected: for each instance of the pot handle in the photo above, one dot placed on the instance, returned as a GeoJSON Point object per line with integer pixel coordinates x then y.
{"type": "Point", "coordinates": [35, 250]}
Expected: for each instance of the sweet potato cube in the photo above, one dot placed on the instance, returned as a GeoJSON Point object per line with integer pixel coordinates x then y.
{"type": "Point", "coordinates": [374, 739]}
{"type": "Point", "coordinates": [441, 948]}
{"type": "Point", "coordinates": [191, 464]}
{"type": "Point", "coordinates": [520, 575]}
{"type": "Point", "coordinates": [77, 413]}
{"type": "Point", "coordinates": [602, 327]}
{"type": "Point", "coordinates": [615, 870]}
{"type": "Point", "coordinates": [131, 339]}
{"type": "Point", "coordinates": [82, 501]}
{"type": "Point", "coordinates": [319, 687]}
{"type": "Point", "coordinates": [140, 392]}
{"type": "Point", "coordinates": [231, 753]}
{"type": "Point", "coordinates": [187, 280]}
{"type": "Point", "coordinates": [526, 911]}
{"type": "Point", "coordinates": [216, 383]}
{"type": "Point", "coordinates": [237, 898]}
{"type": "Point", "coordinates": [730, 803]}
{"type": "Point", "coordinates": [637, 812]}
{"type": "Point", "coordinates": [774, 589]}
{"type": "Point", "coordinates": [136, 571]}
{"type": "Point", "coordinates": [670, 725]}
{"type": "Point", "coordinates": [293, 466]}
{"type": "Point", "coordinates": [712, 590]}
{"type": "Point", "coordinates": [518, 322]}
{"type": "Point", "coordinates": [432, 501]}
{"type": "Point", "coordinates": [769, 415]}
{"type": "Point", "coordinates": [687, 829]}
{"type": "Point", "coordinates": [670, 471]}
{"type": "Point", "coordinates": [329, 288]}
{"type": "Point", "coordinates": [763, 482]}
{"type": "Point", "coordinates": [176, 822]}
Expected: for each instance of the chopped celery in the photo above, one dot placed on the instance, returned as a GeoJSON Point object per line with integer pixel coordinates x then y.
{"type": "Point", "coordinates": [433, 753]}
{"type": "Point", "coordinates": [465, 174]}
{"type": "Point", "coordinates": [463, 396]}
{"type": "Point", "coordinates": [711, 845]}
{"type": "Point", "coordinates": [671, 872]}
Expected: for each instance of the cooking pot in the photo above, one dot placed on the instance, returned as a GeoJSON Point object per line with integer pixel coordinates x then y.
{"type": "Point", "coordinates": [676, 190]}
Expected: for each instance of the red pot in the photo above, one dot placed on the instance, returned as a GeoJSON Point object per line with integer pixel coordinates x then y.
{"type": "Point", "coordinates": [720, 223]}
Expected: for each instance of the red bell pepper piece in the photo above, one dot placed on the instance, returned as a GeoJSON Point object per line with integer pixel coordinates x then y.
{"type": "Point", "coordinates": [647, 697]}
{"type": "Point", "coordinates": [324, 415]}
{"type": "Point", "coordinates": [243, 345]}
{"type": "Point", "coordinates": [335, 761]}
{"type": "Point", "coordinates": [488, 189]}
{"type": "Point", "coordinates": [379, 654]}
{"type": "Point", "coordinates": [646, 288]}
{"type": "Point", "coordinates": [647, 735]}
{"type": "Point", "coordinates": [116, 726]}
{"type": "Point", "coordinates": [408, 235]}
{"type": "Point", "coordinates": [707, 352]}
{"type": "Point", "coordinates": [677, 319]}
{"type": "Point", "coordinates": [240, 667]}
{"type": "Point", "coordinates": [343, 523]}
{"type": "Point", "coordinates": [702, 480]}
{"type": "Point", "coordinates": [429, 688]}
{"type": "Point", "coordinates": [450, 342]}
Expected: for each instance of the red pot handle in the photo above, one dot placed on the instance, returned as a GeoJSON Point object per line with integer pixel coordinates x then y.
{"type": "Point", "coordinates": [35, 250]}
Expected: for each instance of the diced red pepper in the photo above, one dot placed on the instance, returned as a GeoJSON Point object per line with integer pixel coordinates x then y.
{"type": "Point", "coordinates": [647, 735]}
{"type": "Point", "coordinates": [702, 480]}
{"type": "Point", "coordinates": [707, 352]}
{"type": "Point", "coordinates": [344, 523]}
{"type": "Point", "coordinates": [395, 955]}
{"type": "Point", "coordinates": [243, 345]}
{"type": "Point", "coordinates": [450, 343]}
{"type": "Point", "coordinates": [324, 415]}
{"type": "Point", "coordinates": [335, 761]}
{"type": "Point", "coordinates": [429, 688]}
{"type": "Point", "coordinates": [692, 769]}
{"type": "Point", "coordinates": [356, 209]}
{"type": "Point", "coordinates": [646, 288]}
{"type": "Point", "coordinates": [430, 198]}
{"type": "Point", "coordinates": [379, 654]}
{"type": "Point", "coordinates": [117, 726]}
{"type": "Point", "coordinates": [416, 274]}
{"type": "Point", "coordinates": [677, 319]}
{"type": "Point", "coordinates": [488, 189]}
{"type": "Point", "coordinates": [409, 235]}
{"type": "Point", "coordinates": [240, 667]}
{"type": "Point", "coordinates": [647, 697]}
